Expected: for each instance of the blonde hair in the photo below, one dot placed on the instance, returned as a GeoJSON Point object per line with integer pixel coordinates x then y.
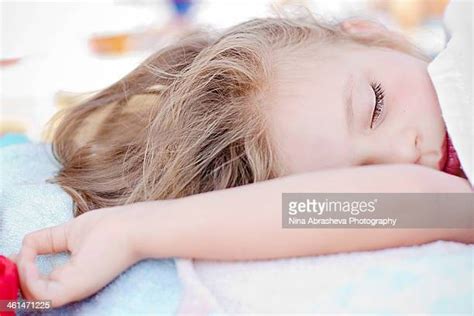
{"type": "Point", "coordinates": [189, 119]}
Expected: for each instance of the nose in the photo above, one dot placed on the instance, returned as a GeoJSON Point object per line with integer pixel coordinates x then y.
{"type": "Point", "coordinates": [399, 147]}
{"type": "Point", "coordinates": [404, 147]}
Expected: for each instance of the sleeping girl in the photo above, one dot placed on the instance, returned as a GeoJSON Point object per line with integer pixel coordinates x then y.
{"type": "Point", "coordinates": [187, 156]}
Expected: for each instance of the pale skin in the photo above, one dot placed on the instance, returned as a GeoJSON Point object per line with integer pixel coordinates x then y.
{"type": "Point", "coordinates": [245, 222]}
{"type": "Point", "coordinates": [408, 129]}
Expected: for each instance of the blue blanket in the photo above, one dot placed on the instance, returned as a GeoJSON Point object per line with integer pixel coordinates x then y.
{"type": "Point", "coordinates": [28, 203]}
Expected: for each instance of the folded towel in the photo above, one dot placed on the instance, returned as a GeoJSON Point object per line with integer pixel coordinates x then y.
{"type": "Point", "coordinates": [28, 203]}
{"type": "Point", "coordinates": [451, 72]}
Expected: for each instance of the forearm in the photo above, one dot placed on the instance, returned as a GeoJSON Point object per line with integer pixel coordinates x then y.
{"type": "Point", "coordinates": [245, 223]}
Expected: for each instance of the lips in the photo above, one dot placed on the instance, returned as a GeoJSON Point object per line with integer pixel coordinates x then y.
{"type": "Point", "coordinates": [449, 162]}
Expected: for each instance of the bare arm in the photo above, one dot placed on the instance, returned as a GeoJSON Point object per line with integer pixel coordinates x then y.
{"type": "Point", "coordinates": [234, 224]}
{"type": "Point", "coordinates": [245, 222]}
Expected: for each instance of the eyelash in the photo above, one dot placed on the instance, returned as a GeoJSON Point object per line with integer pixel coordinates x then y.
{"type": "Point", "coordinates": [379, 102]}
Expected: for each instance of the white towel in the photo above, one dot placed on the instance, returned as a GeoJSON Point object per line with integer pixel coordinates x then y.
{"type": "Point", "coordinates": [451, 72]}
{"type": "Point", "coordinates": [429, 279]}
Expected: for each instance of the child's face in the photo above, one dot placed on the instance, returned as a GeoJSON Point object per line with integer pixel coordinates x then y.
{"type": "Point", "coordinates": [311, 121]}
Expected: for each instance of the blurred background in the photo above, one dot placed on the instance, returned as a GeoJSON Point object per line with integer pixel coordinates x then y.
{"type": "Point", "coordinates": [52, 50]}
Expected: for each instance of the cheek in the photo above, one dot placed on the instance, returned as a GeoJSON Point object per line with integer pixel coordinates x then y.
{"type": "Point", "coordinates": [317, 146]}
{"type": "Point", "coordinates": [422, 98]}
{"type": "Point", "coordinates": [413, 94]}
{"type": "Point", "coordinates": [413, 104]}
{"type": "Point", "coordinates": [431, 96]}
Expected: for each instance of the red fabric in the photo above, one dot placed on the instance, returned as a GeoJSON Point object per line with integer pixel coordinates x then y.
{"type": "Point", "coordinates": [9, 282]}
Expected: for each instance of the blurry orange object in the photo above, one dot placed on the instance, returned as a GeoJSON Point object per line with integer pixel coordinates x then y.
{"type": "Point", "coordinates": [437, 7]}
{"type": "Point", "coordinates": [411, 13]}
{"type": "Point", "coordinates": [112, 44]}
{"type": "Point", "coordinates": [408, 13]}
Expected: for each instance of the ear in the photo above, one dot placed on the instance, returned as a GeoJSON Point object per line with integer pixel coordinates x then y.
{"type": "Point", "coordinates": [362, 27]}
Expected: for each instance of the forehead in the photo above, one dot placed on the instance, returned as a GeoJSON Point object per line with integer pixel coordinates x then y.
{"type": "Point", "coordinates": [318, 80]}
{"type": "Point", "coordinates": [320, 66]}
{"type": "Point", "coordinates": [306, 114]}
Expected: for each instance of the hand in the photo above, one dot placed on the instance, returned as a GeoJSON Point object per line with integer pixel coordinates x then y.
{"type": "Point", "coordinates": [100, 246]}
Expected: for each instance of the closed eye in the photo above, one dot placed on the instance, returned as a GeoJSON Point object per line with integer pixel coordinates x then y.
{"type": "Point", "coordinates": [379, 103]}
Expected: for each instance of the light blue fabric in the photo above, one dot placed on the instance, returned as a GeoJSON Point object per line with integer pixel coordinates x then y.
{"type": "Point", "coordinates": [28, 203]}
{"type": "Point", "coordinates": [12, 139]}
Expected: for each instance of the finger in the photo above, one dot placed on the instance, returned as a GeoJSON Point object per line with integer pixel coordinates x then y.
{"type": "Point", "coordinates": [34, 285]}
{"type": "Point", "coordinates": [40, 287]}
{"type": "Point", "coordinates": [48, 240]}
{"type": "Point", "coordinates": [65, 284]}
{"type": "Point", "coordinates": [25, 263]}
{"type": "Point", "coordinates": [73, 281]}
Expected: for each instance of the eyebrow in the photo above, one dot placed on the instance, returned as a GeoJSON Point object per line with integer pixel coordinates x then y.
{"type": "Point", "coordinates": [349, 109]}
